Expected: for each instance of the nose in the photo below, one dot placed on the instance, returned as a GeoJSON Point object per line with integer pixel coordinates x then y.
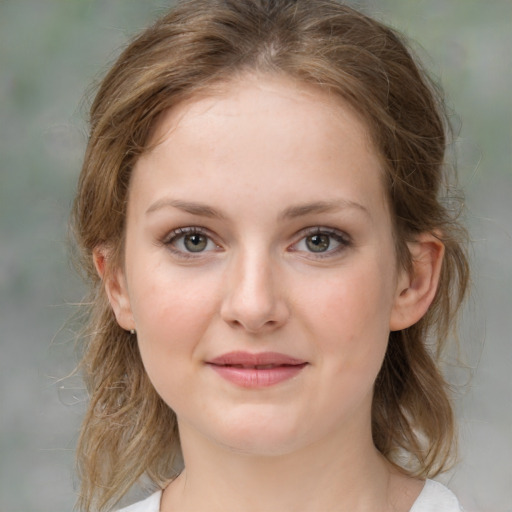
{"type": "Point", "coordinates": [254, 297]}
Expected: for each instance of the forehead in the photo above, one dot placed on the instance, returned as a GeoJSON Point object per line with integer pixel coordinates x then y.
{"type": "Point", "coordinates": [262, 133]}
{"type": "Point", "coordinates": [251, 96]}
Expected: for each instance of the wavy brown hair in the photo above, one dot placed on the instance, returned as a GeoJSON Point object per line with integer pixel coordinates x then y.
{"type": "Point", "coordinates": [128, 430]}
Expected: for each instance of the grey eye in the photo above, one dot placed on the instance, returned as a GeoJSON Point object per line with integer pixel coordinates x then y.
{"type": "Point", "coordinates": [195, 242]}
{"type": "Point", "coordinates": [318, 243]}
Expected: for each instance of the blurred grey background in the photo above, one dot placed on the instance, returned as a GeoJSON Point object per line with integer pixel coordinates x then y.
{"type": "Point", "coordinates": [50, 52]}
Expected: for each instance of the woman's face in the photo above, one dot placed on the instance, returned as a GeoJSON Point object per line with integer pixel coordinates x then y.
{"type": "Point", "coordinates": [260, 271]}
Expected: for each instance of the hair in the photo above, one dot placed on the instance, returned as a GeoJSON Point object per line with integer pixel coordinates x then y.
{"type": "Point", "coordinates": [128, 430]}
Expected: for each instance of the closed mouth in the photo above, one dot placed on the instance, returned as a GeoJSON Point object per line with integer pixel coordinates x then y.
{"type": "Point", "coordinates": [258, 366]}
{"type": "Point", "coordinates": [258, 361]}
{"type": "Point", "coordinates": [256, 371]}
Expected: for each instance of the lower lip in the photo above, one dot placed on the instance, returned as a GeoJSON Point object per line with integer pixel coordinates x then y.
{"type": "Point", "coordinates": [258, 378]}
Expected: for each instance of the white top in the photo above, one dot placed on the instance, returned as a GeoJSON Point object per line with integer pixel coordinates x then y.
{"type": "Point", "coordinates": [434, 497]}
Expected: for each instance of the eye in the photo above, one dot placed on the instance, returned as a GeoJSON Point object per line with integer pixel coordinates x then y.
{"type": "Point", "coordinates": [195, 242]}
{"type": "Point", "coordinates": [322, 242]}
{"type": "Point", "coordinates": [318, 243]}
{"type": "Point", "coordinates": [190, 240]}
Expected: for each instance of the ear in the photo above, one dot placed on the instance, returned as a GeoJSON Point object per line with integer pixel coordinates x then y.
{"type": "Point", "coordinates": [416, 289]}
{"type": "Point", "coordinates": [114, 282]}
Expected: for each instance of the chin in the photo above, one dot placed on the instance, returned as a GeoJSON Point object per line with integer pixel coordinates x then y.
{"type": "Point", "coordinates": [264, 435]}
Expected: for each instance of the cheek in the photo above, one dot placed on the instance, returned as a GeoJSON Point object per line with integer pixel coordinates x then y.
{"type": "Point", "coordinates": [350, 318]}
{"type": "Point", "coordinates": [172, 314]}
{"type": "Point", "coordinates": [172, 307]}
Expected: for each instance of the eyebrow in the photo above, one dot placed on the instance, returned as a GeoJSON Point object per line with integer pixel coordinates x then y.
{"type": "Point", "coordinates": [292, 212]}
{"type": "Point", "coordinates": [199, 209]}
{"type": "Point", "coordinates": [322, 207]}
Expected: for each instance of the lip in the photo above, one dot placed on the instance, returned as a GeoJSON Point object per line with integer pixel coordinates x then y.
{"type": "Point", "coordinates": [258, 370]}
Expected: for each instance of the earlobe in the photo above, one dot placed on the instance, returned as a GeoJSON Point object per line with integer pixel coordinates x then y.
{"type": "Point", "coordinates": [416, 289]}
{"type": "Point", "coordinates": [114, 282]}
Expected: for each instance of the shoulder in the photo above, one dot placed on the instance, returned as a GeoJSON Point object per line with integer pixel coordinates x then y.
{"type": "Point", "coordinates": [435, 497]}
{"type": "Point", "coordinates": [150, 504]}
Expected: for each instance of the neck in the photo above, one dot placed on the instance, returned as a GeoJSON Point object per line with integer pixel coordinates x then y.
{"type": "Point", "coordinates": [309, 479]}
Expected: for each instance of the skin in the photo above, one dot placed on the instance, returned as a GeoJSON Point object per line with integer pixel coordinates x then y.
{"type": "Point", "coordinates": [261, 165]}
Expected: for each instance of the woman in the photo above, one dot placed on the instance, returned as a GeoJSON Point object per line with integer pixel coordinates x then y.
{"type": "Point", "coordinates": [273, 271]}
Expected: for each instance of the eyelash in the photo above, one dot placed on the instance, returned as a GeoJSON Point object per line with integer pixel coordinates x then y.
{"type": "Point", "coordinates": [175, 235]}
{"type": "Point", "coordinates": [340, 237]}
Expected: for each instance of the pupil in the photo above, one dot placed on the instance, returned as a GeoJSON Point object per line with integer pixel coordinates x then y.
{"type": "Point", "coordinates": [317, 243]}
{"type": "Point", "coordinates": [195, 243]}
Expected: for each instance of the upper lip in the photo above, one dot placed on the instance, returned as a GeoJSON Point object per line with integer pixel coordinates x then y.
{"type": "Point", "coordinates": [250, 360]}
